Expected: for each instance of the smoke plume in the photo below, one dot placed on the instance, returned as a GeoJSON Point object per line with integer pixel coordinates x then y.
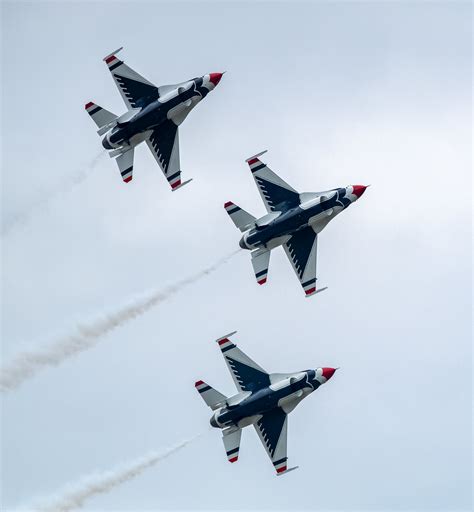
{"type": "Point", "coordinates": [76, 494]}
{"type": "Point", "coordinates": [69, 182]}
{"type": "Point", "coordinates": [28, 363]}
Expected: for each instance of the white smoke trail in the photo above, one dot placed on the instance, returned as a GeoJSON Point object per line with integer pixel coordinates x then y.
{"type": "Point", "coordinates": [68, 182]}
{"type": "Point", "coordinates": [28, 363]}
{"type": "Point", "coordinates": [75, 495]}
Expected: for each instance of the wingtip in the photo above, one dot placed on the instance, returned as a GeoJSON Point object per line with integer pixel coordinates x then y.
{"type": "Point", "coordinates": [256, 156]}
{"type": "Point", "coordinates": [226, 336]}
{"type": "Point", "coordinates": [89, 105]}
{"type": "Point", "coordinates": [179, 185]}
{"type": "Point", "coordinates": [279, 473]}
{"type": "Point", "coordinates": [314, 291]}
{"type": "Point", "coordinates": [112, 54]}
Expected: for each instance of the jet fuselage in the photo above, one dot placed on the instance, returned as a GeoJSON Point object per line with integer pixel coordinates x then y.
{"type": "Point", "coordinates": [178, 101]}
{"type": "Point", "coordinates": [287, 392]}
{"type": "Point", "coordinates": [316, 212]}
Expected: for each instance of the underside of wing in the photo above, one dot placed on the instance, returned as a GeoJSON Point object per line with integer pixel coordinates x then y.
{"type": "Point", "coordinates": [246, 373]}
{"type": "Point", "coordinates": [164, 144]}
{"type": "Point", "coordinates": [272, 431]}
{"type": "Point", "coordinates": [136, 91]}
{"type": "Point", "coordinates": [301, 250]}
{"type": "Point", "coordinates": [276, 193]}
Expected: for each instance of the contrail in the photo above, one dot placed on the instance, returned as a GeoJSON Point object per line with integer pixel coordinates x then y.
{"type": "Point", "coordinates": [66, 184]}
{"type": "Point", "coordinates": [86, 335]}
{"type": "Point", "coordinates": [75, 495]}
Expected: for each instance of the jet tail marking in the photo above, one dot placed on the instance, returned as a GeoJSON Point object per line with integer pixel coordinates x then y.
{"type": "Point", "coordinates": [241, 219]}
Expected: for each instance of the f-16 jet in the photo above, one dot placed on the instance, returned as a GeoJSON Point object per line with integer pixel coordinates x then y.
{"type": "Point", "coordinates": [293, 220]}
{"type": "Point", "coordinates": [153, 115]}
{"type": "Point", "coordinates": [264, 400]}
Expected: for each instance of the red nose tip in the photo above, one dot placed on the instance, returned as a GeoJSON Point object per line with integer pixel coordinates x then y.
{"type": "Point", "coordinates": [328, 372]}
{"type": "Point", "coordinates": [358, 190]}
{"type": "Point", "coordinates": [215, 78]}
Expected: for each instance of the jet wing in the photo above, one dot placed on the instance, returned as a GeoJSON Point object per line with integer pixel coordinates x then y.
{"type": "Point", "coordinates": [164, 144]}
{"type": "Point", "coordinates": [136, 91]}
{"type": "Point", "coordinates": [276, 193]}
{"type": "Point", "coordinates": [247, 374]}
{"type": "Point", "coordinates": [301, 250]}
{"type": "Point", "coordinates": [272, 431]}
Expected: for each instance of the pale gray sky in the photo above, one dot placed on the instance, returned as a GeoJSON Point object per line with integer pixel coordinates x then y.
{"type": "Point", "coordinates": [339, 93]}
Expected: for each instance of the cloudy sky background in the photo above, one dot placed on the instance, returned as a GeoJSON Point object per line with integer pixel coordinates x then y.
{"type": "Point", "coordinates": [339, 93]}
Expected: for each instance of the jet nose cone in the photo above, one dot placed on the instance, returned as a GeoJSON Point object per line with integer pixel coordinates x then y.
{"type": "Point", "coordinates": [358, 190]}
{"type": "Point", "coordinates": [328, 372]}
{"type": "Point", "coordinates": [215, 78]}
{"type": "Point", "coordinates": [242, 243]}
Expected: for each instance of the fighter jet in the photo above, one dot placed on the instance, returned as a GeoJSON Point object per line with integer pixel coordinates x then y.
{"type": "Point", "coordinates": [264, 400]}
{"type": "Point", "coordinates": [153, 115]}
{"type": "Point", "coordinates": [293, 220]}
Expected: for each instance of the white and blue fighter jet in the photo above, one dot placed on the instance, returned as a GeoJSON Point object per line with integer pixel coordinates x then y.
{"type": "Point", "coordinates": [293, 220]}
{"type": "Point", "coordinates": [264, 400]}
{"type": "Point", "coordinates": [153, 115]}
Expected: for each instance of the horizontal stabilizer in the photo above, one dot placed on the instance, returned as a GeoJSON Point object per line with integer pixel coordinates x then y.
{"type": "Point", "coordinates": [242, 219]}
{"type": "Point", "coordinates": [232, 444]}
{"type": "Point", "coordinates": [100, 116]}
{"type": "Point", "coordinates": [125, 164]}
{"type": "Point", "coordinates": [260, 262]}
{"type": "Point", "coordinates": [211, 396]}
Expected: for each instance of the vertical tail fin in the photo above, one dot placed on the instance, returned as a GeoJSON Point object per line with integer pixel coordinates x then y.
{"type": "Point", "coordinates": [211, 396]}
{"type": "Point", "coordinates": [242, 219]}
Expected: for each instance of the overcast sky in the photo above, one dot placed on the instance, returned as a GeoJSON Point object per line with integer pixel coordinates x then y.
{"type": "Point", "coordinates": [339, 93]}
